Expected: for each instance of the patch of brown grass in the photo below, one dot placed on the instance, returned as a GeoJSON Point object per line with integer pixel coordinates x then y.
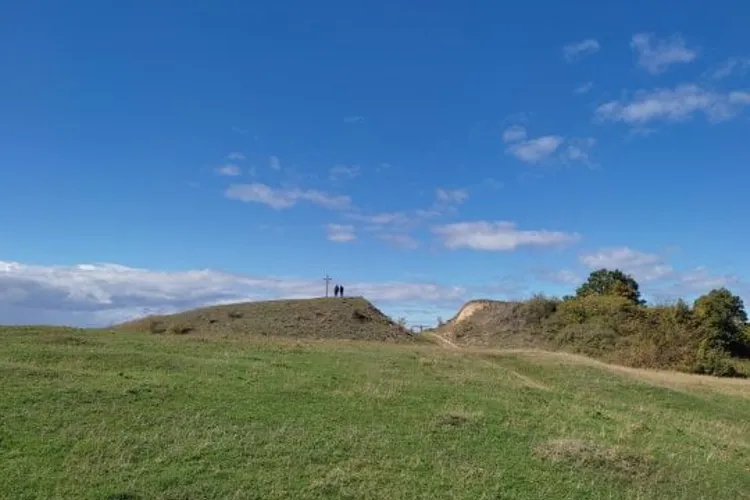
{"type": "Point", "coordinates": [457, 417]}
{"type": "Point", "coordinates": [580, 453]}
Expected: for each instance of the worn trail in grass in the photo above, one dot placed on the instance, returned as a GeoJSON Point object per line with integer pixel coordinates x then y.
{"type": "Point", "coordinates": [109, 415]}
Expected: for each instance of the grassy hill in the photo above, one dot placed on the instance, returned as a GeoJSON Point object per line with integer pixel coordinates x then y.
{"type": "Point", "coordinates": [112, 415]}
{"type": "Point", "coordinates": [339, 318]}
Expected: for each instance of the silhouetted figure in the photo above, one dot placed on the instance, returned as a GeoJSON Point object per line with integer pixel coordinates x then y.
{"type": "Point", "coordinates": [341, 290]}
{"type": "Point", "coordinates": [336, 290]}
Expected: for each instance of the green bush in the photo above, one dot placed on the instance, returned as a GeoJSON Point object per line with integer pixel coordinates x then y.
{"type": "Point", "coordinates": [538, 309]}
{"type": "Point", "coordinates": [712, 361]}
{"type": "Point", "coordinates": [722, 318]}
{"type": "Point", "coordinates": [583, 309]}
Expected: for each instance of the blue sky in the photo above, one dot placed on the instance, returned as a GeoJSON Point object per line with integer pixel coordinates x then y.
{"type": "Point", "coordinates": [163, 155]}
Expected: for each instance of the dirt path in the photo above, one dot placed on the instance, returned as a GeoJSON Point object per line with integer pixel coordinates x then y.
{"type": "Point", "coordinates": [444, 342]}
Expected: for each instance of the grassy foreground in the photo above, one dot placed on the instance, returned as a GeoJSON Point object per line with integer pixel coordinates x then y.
{"type": "Point", "coordinates": [102, 415]}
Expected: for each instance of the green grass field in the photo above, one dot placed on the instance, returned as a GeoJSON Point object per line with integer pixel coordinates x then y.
{"type": "Point", "coordinates": [102, 415]}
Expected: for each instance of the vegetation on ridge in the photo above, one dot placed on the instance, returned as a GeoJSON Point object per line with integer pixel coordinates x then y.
{"type": "Point", "coordinates": [607, 319]}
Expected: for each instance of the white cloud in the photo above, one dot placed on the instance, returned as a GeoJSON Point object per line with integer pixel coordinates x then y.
{"type": "Point", "coordinates": [580, 49]}
{"type": "Point", "coordinates": [583, 88]}
{"type": "Point", "coordinates": [497, 236]}
{"type": "Point", "coordinates": [101, 294]}
{"type": "Point", "coordinates": [734, 65]}
{"type": "Point", "coordinates": [514, 133]}
{"type": "Point", "coordinates": [344, 172]}
{"type": "Point", "coordinates": [451, 195]}
{"type": "Point", "coordinates": [230, 169]}
{"type": "Point", "coordinates": [739, 98]}
{"type": "Point", "coordinates": [381, 219]}
{"type": "Point", "coordinates": [643, 266]}
{"type": "Point", "coordinates": [535, 150]}
{"type": "Point", "coordinates": [579, 150]}
{"type": "Point", "coordinates": [700, 280]}
{"type": "Point", "coordinates": [274, 163]}
{"type": "Point", "coordinates": [656, 55]}
{"type": "Point", "coordinates": [354, 119]}
{"type": "Point", "coordinates": [236, 156]}
{"type": "Point", "coordinates": [400, 240]}
{"type": "Point", "coordinates": [673, 105]}
{"type": "Point", "coordinates": [281, 198]}
{"type": "Point", "coordinates": [340, 233]}
{"type": "Point", "coordinates": [564, 276]}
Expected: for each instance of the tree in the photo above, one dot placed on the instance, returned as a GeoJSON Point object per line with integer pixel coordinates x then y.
{"type": "Point", "coordinates": [607, 282]}
{"type": "Point", "coordinates": [723, 317]}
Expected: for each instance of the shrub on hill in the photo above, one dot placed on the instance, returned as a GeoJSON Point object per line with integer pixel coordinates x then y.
{"type": "Point", "coordinates": [608, 319]}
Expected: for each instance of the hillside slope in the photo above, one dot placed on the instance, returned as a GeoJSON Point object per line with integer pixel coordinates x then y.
{"type": "Point", "coordinates": [345, 318]}
{"type": "Point", "coordinates": [490, 323]}
{"type": "Point", "coordinates": [103, 415]}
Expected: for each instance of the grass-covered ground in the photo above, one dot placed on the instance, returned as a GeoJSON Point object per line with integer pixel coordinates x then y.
{"type": "Point", "coordinates": [350, 318]}
{"type": "Point", "coordinates": [98, 415]}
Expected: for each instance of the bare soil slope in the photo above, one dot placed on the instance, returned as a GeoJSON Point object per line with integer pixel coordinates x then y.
{"type": "Point", "coordinates": [345, 318]}
{"type": "Point", "coordinates": [489, 323]}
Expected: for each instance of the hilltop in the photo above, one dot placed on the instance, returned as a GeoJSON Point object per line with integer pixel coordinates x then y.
{"type": "Point", "coordinates": [334, 318]}
{"type": "Point", "coordinates": [114, 415]}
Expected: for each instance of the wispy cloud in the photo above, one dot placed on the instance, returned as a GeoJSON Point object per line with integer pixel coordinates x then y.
{"type": "Point", "coordinates": [451, 195]}
{"type": "Point", "coordinates": [491, 183]}
{"type": "Point", "coordinates": [561, 276]}
{"type": "Point", "coordinates": [673, 105]}
{"type": "Point", "coordinates": [340, 233]}
{"type": "Point", "coordinates": [240, 130]}
{"type": "Point", "coordinates": [584, 88]}
{"type": "Point", "coordinates": [274, 163]}
{"type": "Point", "coordinates": [514, 133]}
{"type": "Point", "coordinates": [229, 170]}
{"type": "Point", "coordinates": [535, 150]}
{"type": "Point", "coordinates": [656, 55]}
{"type": "Point", "coordinates": [236, 156]}
{"type": "Point", "coordinates": [579, 150]}
{"type": "Point", "coordinates": [344, 172]}
{"type": "Point", "coordinates": [282, 198]}
{"type": "Point", "coordinates": [700, 280]}
{"type": "Point", "coordinates": [400, 240]}
{"type": "Point", "coordinates": [734, 65]}
{"type": "Point", "coordinates": [497, 236]}
{"type": "Point", "coordinates": [354, 119]}
{"type": "Point", "coordinates": [643, 266]}
{"type": "Point", "coordinates": [381, 219]}
{"type": "Point", "coordinates": [577, 50]}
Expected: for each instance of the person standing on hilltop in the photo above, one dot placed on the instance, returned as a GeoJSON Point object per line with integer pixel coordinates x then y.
{"type": "Point", "coordinates": [341, 290]}
{"type": "Point", "coordinates": [336, 290]}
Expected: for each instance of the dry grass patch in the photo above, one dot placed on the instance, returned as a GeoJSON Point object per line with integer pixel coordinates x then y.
{"type": "Point", "coordinates": [663, 378]}
{"type": "Point", "coordinates": [457, 417]}
{"type": "Point", "coordinates": [580, 453]}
